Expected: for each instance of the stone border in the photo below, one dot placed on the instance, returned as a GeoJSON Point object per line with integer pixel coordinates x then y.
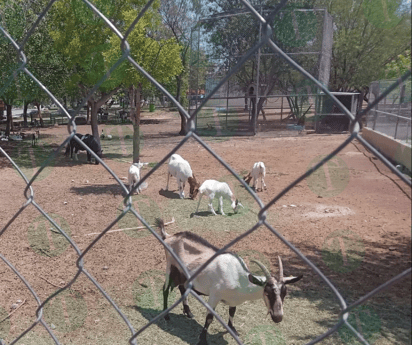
{"type": "Point", "coordinates": [396, 150]}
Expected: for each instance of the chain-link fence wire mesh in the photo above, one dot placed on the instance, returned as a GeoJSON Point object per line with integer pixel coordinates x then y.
{"type": "Point", "coordinates": [219, 42]}
{"type": "Point", "coordinates": [265, 41]}
{"type": "Point", "coordinates": [392, 114]}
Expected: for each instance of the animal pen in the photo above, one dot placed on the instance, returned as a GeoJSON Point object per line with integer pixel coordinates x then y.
{"type": "Point", "coordinates": [392, 114]}
{"type": "Point", "coordinates": [263, 94]}
{"type": "Point", "coordinates": [301, 34]}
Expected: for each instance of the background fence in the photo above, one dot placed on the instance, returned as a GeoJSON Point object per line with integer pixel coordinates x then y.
{"type": "Point", "coordinates": [392, 114]}
{"type": "Point", "coordinates": [266, 41]}
{"type": "Point", "coordinates": [218, 43]}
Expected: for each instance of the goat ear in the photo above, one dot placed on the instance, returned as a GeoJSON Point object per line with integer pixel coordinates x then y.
{"type": "Point", "coordinates": [291, 280]}
{"type": "Point", "coordinates": [256, 281]}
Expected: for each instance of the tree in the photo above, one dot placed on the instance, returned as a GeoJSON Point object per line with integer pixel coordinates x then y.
{"type": "Point", "coordinates": [159, 57]}
{"type": "Point", "coordinates": [83, 38]}
{"type": "Point", "coordinates": [92, 49]}
{"type": "Point", "coordinates": [43, 61]}
{"type": "Point", "coordinates": [178, 18]}
{"type": "Point", "coordinates": [398, 66]}
{"type": "Point", "coordinates": [368, 35]}
{"type": "Point", "coordinates": [293, 31]}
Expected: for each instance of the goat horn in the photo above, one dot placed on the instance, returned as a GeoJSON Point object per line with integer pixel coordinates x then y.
{"type": "Point", "coordinates": [263, 268]}
{"type": "Point", "coordinates": [280, 269]}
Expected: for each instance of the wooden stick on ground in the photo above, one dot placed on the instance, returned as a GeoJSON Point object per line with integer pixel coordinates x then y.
{"type": "Point", "coordinates": [13, 311]}
{"type": "Point", "coordinates": [50, 282]}
{"type": "Point", "coordinates": [135, 228]}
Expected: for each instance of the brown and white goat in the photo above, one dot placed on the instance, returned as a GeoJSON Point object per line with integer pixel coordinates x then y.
{"type": "Point", "coordinates": [226, 279]}
{"type": "Point", "coordinates": [180, 168]}
{"type": "Point", "coordinates": [258, 172]}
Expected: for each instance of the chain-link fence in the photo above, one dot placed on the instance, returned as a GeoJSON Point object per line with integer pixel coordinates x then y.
{"type": "Point", "coordinates": [218, 43]}
{"type": "Point", "coordinates": [264, 22]}
{"type": "Point", "coordinates": [392, 114]}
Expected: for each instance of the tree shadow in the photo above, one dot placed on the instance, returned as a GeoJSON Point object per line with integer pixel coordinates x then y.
{"type": "Point", "coordinates": [181, 326]}
{"type": "Point", "coordinates": [385, 315]}
{"type": "Point", "coordinates": [111, 189]}
{"type": "Point", "coordinates": [169, 194]}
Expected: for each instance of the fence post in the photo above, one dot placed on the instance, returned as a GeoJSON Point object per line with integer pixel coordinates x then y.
{"type": "Point", "coordinates": [396, 127]}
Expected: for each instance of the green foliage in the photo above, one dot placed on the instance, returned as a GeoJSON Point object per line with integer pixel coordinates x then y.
{"type": "Point", "coordinates": [398, 66]}
{"type": "Point", "coordinates": [160, 58]}
{"type": "Point", "coordinates": [92, 48]}
{"type": "Point", "coordinates": [43, 61]}
{"type": "Point", "coordinates": [363, 46]}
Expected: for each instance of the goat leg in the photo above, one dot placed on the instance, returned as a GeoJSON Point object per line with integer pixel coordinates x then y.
{"type": "Point", "coordinates": [200, 198]}
{"type": "Point", "coordinates": [232, 311]}
{"type": "Point", "coordinates": [202, 338]}
{"type": "Point", "coordinates": [166, 287]}
{"type": "Point", "coordinates": [186, 309]}
{"type": "Point", "coordinates": [211, 208]}
{"type": "Point", "coordinates": [167, 185]}
{"type": "Point", "coordinates": [221, 206]}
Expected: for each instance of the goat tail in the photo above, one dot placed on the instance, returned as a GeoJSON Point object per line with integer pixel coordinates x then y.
{"type": "Point", "coordinates": [161, 225]}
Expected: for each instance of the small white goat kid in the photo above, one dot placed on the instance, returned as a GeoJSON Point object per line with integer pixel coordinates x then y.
{"type": "Point", "coordinates": [134, 175]}
{"type": "Point", "coordinates": [258, 172]}
{"type": "Point", "coordinates": [180, 168]}
{"type": "Point", "coordinates": [212, 188]}
{"type": "Point", "coordinates": [226, 279]}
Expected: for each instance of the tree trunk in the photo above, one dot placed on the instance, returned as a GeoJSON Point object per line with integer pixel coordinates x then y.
{"type": "Point", "coordinates": [37, 104]}
{"type": "Point", "coordinates": [183, 122]}
{"type": "Point", "coordinates": [135, 96]}
{"type": "Point", "coordinates": [9, 126]}
{"type": "Point", "coordinates": [26, 105]}
{"type": "Point", "coordinates": [93, 120]}
{"type": "Point", "coordinates": [95, 106]}
{"type": "Point", "coordinates": [88, 105]}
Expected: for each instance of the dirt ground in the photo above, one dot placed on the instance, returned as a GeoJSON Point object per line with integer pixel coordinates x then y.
{"type": "Point", "coordinates": [352, 219]}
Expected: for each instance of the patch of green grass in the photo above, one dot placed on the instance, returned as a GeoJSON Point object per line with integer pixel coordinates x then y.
{"type": "Point", "coordinates": [30, 159]}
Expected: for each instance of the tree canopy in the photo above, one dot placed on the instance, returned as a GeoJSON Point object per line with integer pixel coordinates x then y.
{"type": "Point", "coordinates": [367, 37]}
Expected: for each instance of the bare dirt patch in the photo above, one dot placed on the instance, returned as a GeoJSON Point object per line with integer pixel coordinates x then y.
{"type": "Point", "coordinates": [374, 206]}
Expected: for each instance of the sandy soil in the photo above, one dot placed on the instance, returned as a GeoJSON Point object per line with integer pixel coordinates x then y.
{"type": "Point", "coordinates": [355, 206]}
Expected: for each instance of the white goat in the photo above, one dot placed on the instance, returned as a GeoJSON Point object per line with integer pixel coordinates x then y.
{"type": "Point", "coordinates": [180, 168]}
{"type": "Point", "coordinates": [134, 175]}
{"type": "Point", "coordinates": [212, 188]}
{"type": "Point", "coordinates": [226, 279]}
{"type": "Point", "coordinates": [258, 172]}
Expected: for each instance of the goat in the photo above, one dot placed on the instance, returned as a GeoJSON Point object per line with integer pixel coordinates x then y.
{"type": "Point", "coordinates": [134, 175]}
{"type": "Point", "coordinates": [212, 188]}
{"type": "Point", "coordinates": [90, 141]}
{"type": "Point", "coordinates": [180, 168]}
{"type": "Point", "coordinates": [258, 171]}
{"type": "Point", "coordinates": [226, 279]}
{"type": "Point", "coordinates": [35, 138]}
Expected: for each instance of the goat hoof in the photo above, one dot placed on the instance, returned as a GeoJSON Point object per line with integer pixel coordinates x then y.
{"type": "Point", "coordinates": [189, 315]}
{"type": "Point", "coordinates": [234, 331]}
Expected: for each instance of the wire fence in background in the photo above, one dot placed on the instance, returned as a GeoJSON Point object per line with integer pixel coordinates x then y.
{"type": "Point", "coordinates": [392, 115]}
{"type": "Point", "coordinates": [218, 43]}
{"type": "Point", "coordinates": [266, 41]}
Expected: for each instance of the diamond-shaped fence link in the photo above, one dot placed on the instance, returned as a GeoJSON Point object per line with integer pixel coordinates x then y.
{"type": "Point", "coordinates": [265, 21]}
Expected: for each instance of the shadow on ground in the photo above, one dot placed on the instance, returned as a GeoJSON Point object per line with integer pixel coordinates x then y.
{"type": "Point", "coordinates": [181, 326]}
